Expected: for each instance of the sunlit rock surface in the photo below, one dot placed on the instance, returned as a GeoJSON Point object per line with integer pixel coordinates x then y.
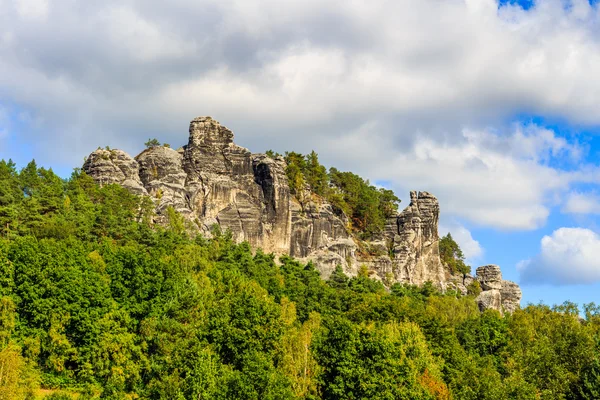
{"type": "Point", "coordinates": [211, 180]}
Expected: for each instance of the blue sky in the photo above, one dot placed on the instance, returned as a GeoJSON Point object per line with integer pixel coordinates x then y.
{"type": "Point", "coordinates": [527, 4]}
{"type": "Point", "coordinates": [491, 106]}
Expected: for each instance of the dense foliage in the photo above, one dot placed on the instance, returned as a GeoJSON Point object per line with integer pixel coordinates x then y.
{"type": "Point", "coordinates": [95, 302]}
{"type": "Point", "coordinates": [365, 205]}
{"type": "Point", "coordinates": [452, 256]}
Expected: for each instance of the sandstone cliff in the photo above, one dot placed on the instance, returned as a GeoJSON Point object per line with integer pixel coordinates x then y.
{"type": "Point", "coordinates": [211, 181]}
{"type": "Point", "coordinates": [497, 293]}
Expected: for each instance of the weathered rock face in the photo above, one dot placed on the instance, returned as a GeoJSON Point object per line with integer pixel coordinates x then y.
{"type": "Point", "coordinates": [414, 241]}
{"type": "Point", "coordinates": [511, 296]}
{"type": "Point", "coordinates": [161, 173]}
{"type": "Point", "coordinates": [459, 282]}
{"type": "Point", "coordinates": [319, 235]}
{"type": "Point", "coordinates": [114, 166]}
{"type": "Point", "coordinates": [497, 294]}
{"type": "Point", "coordinates": [490, 299]}
{"type": "Point", "coordinates": [269, 174]}
{"type": "Point", "coordinates": [211, 181]}
{"type": "Point", "coordinates": [489, 277]}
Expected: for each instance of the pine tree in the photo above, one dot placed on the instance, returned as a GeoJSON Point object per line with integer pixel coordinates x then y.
{"type": "Point", "coordinates": [316, 174]}
{"type": "Point", "coordinates": [452, 255]}
{"type": "Point", "coordinates": [152, 143]}
{"type": "Point", "coordinates": [10, 196]}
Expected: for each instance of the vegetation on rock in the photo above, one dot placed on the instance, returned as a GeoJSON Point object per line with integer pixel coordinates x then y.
{"type": "Point", "coordinates": [452, 256]}
{"type": "Point", "coordinates": [153, 143]}
{"type": "Point", "coordinates": [365, 205]}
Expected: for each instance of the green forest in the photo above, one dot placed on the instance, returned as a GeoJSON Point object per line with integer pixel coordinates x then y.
{"type": "Point", "coordinates": [97, 302]}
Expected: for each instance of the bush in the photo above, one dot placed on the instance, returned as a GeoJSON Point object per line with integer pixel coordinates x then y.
{"type": "Point", "coordinates": [152, 143]}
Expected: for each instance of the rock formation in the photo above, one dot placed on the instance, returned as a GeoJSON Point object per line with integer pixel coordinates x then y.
{"type": "Point", "coordinates": [415, 241]}
{"type": "Point", "coordinates": [211, 181]}
{"type": "Point", "coordinates": [321, 236]}
{"type": "Point", "coordinates": [497, 293]}
{"type": "Point", "coordinates": [161, 173]}
{"type": "Point", "coordinates": [114, 166]}
{"type": "Point", "coordinates": [409, 252]}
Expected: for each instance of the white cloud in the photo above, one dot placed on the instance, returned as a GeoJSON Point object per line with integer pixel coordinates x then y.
{"type": "Point", "coordinates": [142, 40]}
{"type": "Point", "coordinates": [33, 9]}
{"type": "Point", "coordinates": [569, 256]}
{"type": "Point", "coordinates": [456, 61]}
{"type": "Point", "coordinates": [415, 93]}
{"type": "Point", "coordinates": [582, 203]}
{"type": "Point", "coordinates": [470, 247]}
{"type": "Point", "coordinates": [492, 179]}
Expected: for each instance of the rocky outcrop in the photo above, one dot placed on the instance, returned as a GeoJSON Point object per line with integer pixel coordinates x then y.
{"type": "Point", "coordinates": [497, 294]}
{"type": "Point", "coordinates": [161, 173]}
{"type": "Point", "coordinates": [489, 277]}
{"type": "Point", "coordinates": [319, 235]}
{"type": "Point", "coordinates": [269, 174]}
{"type": "Point", "coordinates": [211, 180]}
{"type": "Point", "coordinates": [510, 294]}
{"type": "Point", "coordinates": [489, 299]}
{"type": "Point", "coordinates": [108, 166]}
{"type": "Point", "coordinates": [459, 282]}
{"type": "Point", "coordinates": [415, 241]}
{"type": "Point", "coordinates": [409, 252]}
{"type": "Point", "coordinates": [227, 185]}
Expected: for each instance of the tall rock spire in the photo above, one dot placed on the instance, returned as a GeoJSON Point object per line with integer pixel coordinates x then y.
{"type": "Point", "coordinates": [415, 243]}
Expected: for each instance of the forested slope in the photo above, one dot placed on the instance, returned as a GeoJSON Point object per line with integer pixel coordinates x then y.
{"type": "Point", "coordinates": [96, 302]}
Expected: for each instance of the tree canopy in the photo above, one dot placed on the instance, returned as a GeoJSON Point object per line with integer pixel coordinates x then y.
{"type": "Point", "coordinates": [97, 302]}
{"type": "Point", "coordinates": [367, 206]}
{"type": "Point", "coordinates": [452, 255]}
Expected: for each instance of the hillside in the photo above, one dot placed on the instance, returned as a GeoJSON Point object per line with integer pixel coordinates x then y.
{"type": "Point", "coordinates": [108, 294]}
{"type": "Point", "coordinates": [292, 206]}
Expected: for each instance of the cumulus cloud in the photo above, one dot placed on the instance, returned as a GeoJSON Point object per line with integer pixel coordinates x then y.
{"type": "Point", "coordinates": [582, 203]}
{"type": "Point", "coordinates": [568, 256]}
{"type": "Point", "coordinates": [416, 93]}
{"type": "Point", "coordinates": [489, 178]}
{"type": "Point", "coordinates": [470, 247]}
